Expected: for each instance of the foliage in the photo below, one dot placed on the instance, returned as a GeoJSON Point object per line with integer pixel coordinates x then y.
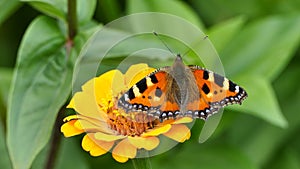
{"type": "Point", "coordinates": [258, 44]}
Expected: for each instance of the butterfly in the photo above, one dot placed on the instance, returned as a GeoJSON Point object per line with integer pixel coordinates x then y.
{"type": "Point", "coordinates": [179, 91]}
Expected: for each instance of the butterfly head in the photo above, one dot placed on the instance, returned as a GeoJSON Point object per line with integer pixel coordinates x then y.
{"type": "Point", "coordinates": [178, 57]}
{"type": "Point", "coordinates": [178, 63]}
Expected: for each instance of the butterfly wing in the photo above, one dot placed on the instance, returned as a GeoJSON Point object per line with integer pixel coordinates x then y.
{"type": "Point", "coordinates": [148, 95]}
{"type": "Point", "coordinates": [216, 91]}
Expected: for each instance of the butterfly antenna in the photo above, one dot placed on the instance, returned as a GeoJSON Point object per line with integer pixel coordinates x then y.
{"type": "Point", "coordinates": [189, 49]}
{"type": "Point", "coordinates": [156, 34]}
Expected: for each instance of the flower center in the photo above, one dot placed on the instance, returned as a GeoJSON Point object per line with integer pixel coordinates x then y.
{"type": "Point", "coordinates": [131, 124]}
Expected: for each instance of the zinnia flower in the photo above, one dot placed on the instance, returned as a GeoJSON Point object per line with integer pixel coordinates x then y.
{"type": "Point", "coordinates": [108, 128]}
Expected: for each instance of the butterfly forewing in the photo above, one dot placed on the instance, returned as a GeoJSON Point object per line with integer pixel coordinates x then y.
{"type": "Point", "coordinates": [148, 94]}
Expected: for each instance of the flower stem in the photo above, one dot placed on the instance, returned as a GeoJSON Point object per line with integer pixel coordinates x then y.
{"type": "Point", "coordinates": [55, 142]}
{"type": "Point", "coordinates": [72, 19]}
{"type": "Point", "coordinates": [142, 163]}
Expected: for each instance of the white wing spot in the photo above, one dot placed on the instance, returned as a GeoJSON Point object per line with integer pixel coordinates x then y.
{"type": "Point", "coordinates": [126, 97]}
{"type": "Point", "coordinates": [211, 77]}
{"type": "Point", "coordinates": [156, 98]}
{"type": "Point", "coordinates": [226, 84]}
{"type": "Point", "coordinates": [237, 89]}
{"type": "Point", "coordinates": [136, 91]}
{"type": "Point", "coordinates": [148, 81]}
{"type": "Point", "coordinates": [209, 95]}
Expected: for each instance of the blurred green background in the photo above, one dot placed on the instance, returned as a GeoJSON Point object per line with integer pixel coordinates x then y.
{"type": "Point", "coordinates": [258, 42]}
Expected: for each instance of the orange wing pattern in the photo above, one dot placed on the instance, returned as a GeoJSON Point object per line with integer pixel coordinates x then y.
{"type": "Point", "coordinates": [148, 95]}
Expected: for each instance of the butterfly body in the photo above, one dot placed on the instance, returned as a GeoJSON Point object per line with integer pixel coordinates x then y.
{"type": "Point", "coordinates": [180, 90]}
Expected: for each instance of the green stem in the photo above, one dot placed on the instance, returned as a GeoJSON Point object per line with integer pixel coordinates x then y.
{"type": "Point", "coordinates": [142, 163]}
{"type": "Point", "coordinates": [72, 19]}
{"type": "Point", "coordinates": [55, 141]}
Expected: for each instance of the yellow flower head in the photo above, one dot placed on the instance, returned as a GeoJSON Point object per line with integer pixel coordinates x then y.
{"type": "Point", "coordinates": [108, 128]}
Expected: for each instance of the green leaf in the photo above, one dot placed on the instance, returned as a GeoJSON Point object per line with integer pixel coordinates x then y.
{"type": "Point", "coordinates": [108, 10]}
{"type": "Point", "coordinates": [289, 158]}
{"type": "Point", "coordinates": [261, 100]}
{"type": "Point", "coordinates": [41, 159]}
{"type": "Point", "coordinates": [85, 10]}
{"type": "Point", "coordinates": [5, 80]}
{"type": "Point", "coordinates": [8, 7]}
{"type": "Point", "coordinates": [208, 156]}
{"type": "Point", "coordinates": [222, 33]}
{"type": "Point", "coordinates": [58, 8]}
{"type": "Point", "coordinates": [41, 85]}
{"type": "Point", "coordinates": [70, 155]}
{"type": "Point", "coordinates": [288, 82]}
{"type": "Point", "coordinates": [177, 8]}
{"type": "Point", "coordinates": [86, 31]}
{"type": "Point", "coordinates": [214, 11]}
{"type": "Point", "coordinates": [4, 160]}
{"type": "Point", "coordinates": [264, 47]}
{"type": "Point", "coordinates": [262, 141]}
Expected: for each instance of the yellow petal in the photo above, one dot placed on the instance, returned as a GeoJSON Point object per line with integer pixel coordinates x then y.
{"type": "Point", "coordinates": [77, 124]}
{"type": "Point", "coordinates": [103, 82]}
{"type": "Point", "coordinates": [124, 150]}
{"type": "Point", "coordinates": [107, 137]}
{"type": "Point", "coordinates": [120, 159]}
{"type": "Point", "coordinates": [157, 131]}
{"type": "Point", "coordinates": [85, 125]}
{"type": "Point", "coordinates": [137, 72]}
{"type": "Point", "coordinates": [85, 104]}
{"type": "Point", "coordinates": [179, 132]}
{"type": "Point", "coordinates": [183, 120]}
{"type": "Point", "coordinates": [148, 143]}
{"type": "Point", "coordinates": [99, 96]}
{"type": "Point", "coordinates": [89, 125]}
{"type": "Point", "coordinates": [95, 147]}
{"type": "Point", "coordinates": [109, 84]}
{"type": "Point", "coordinates": [71, 117]}
{"type": "Point", "coordinates": [69, 130]}
{"type": "Point", "coordinates": [71, 104]}
{"type": "Point", "coordinates": [102, 89]}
